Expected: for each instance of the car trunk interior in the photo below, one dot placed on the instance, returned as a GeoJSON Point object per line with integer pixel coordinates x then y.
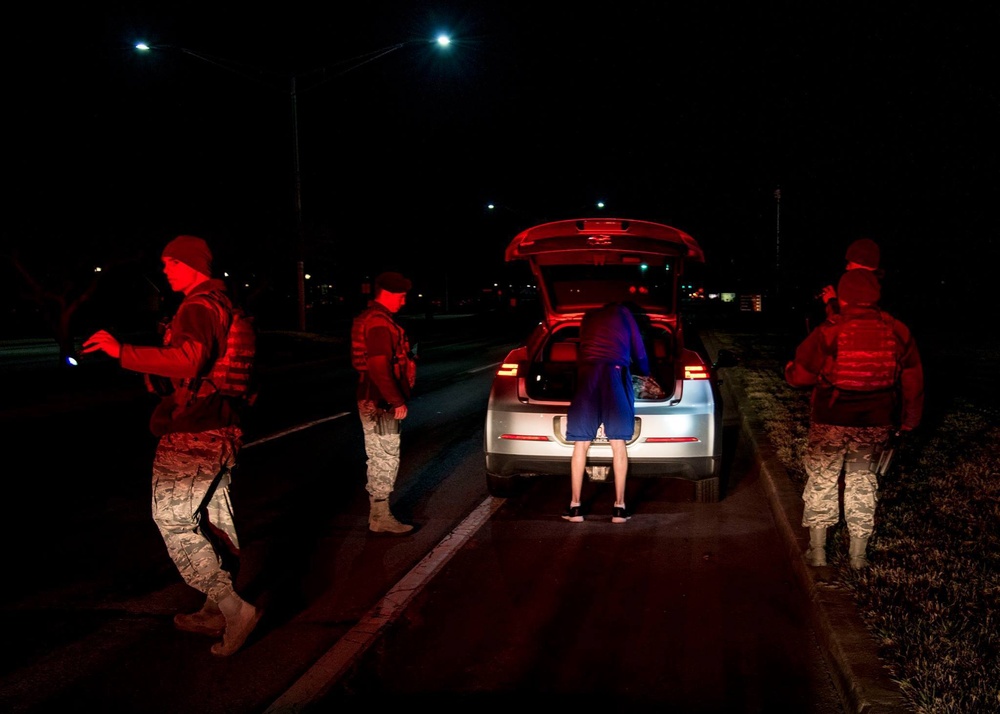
{"type": "Point", "coordinates": [552, 375]}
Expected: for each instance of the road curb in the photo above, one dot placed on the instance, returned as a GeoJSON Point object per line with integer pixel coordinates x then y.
{"type": "Point", "coordinates": [860, 675]}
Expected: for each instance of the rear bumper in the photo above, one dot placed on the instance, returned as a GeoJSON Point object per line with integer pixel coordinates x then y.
{"type": "Point", "coordinates": [694, 469]}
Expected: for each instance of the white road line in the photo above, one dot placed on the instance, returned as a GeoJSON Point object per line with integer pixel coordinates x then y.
{"type": "Point", "coordinates": [300, 427]}
{"type": "Point", "coordinates": [328, 669]}
{"type": "Point", "coordinates": [308, 425]}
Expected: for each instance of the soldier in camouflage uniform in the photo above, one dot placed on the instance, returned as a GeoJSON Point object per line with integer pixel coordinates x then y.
{"type": "Point", "coordinates": [849, 426]}
{"type": "Point", "coordinates": [380, 352]}
{"type": "Point", "coordinates": [199, 441]}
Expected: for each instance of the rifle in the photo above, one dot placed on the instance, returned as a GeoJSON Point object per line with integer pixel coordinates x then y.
{"type": "Point", "coordinates": [883, 459]}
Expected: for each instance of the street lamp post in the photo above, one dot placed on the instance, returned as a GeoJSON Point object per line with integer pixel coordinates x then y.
{"type": "Point", "coordinates": [777, 240]}
{"type": "Point", "coordinates": [300, 231]}
{"type": "Point", "coordinates": [441, 40]}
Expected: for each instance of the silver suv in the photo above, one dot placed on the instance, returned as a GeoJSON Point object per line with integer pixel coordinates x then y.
{"type": "Point", "coordinates": [582, 264]}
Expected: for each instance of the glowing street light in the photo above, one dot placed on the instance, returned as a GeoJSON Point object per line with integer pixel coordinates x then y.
{"type": "Point", "coordinates": [442, 41]}
{"type": "Point", "coordinates": [494, 207]}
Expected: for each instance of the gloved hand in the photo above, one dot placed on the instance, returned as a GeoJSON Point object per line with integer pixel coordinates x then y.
{"type": "Point", "coordinates": [903, 444]}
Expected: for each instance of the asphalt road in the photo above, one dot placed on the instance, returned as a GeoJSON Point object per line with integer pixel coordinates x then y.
{"type": "Point", "coordinates": [688, 607]}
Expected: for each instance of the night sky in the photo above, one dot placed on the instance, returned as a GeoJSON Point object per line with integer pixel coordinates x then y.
{"type": "Point", "coordinates": [873, 119]}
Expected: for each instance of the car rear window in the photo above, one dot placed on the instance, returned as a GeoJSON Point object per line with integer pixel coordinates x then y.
{"type": "Point", "coordinates": [575, 288]}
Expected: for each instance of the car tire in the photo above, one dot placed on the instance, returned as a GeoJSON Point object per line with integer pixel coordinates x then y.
{"type": "Point", "coordinates": [502, 486]}
{"type": "Point", "coordinates": [706, 490]}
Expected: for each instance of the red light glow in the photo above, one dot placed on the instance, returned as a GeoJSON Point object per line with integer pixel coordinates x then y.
{"type": "Point", "coordinates": [695, 371]}
{"type": "Point", "coordinates": [507, 370]}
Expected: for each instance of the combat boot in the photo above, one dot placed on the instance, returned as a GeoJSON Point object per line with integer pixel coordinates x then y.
{"type": "Point", "coordinates": [241, 618]}
{"type": "Point", "coordinates": [816, 555]}
{"type": "Point", "coordinates": [858, 551]}
{"type": "Point", "coordinates": [209, 620]}
{"type": "Point", "coordinates": [381, 520]}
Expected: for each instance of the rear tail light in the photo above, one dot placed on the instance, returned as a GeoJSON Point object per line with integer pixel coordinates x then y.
{"type": "Point", "coordinates": [524, 437]}
{"type": "Point", "coordinates": [695, 371]}
{"type": "Point", "coordinates": [507, 369]}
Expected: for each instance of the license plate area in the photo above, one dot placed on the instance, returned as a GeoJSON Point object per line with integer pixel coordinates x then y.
{"type": "Point", "coordinates": [560, 431]}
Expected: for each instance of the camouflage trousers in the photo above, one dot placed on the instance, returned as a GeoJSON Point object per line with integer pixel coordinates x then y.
{"type": "Point", "coordinates": [192, 508]}
{"type": "Point", "coordinates": [382, 451]}
{"type": "Point", "coordinates": [830, 451]}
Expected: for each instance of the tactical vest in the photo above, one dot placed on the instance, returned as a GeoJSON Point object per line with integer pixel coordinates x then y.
{"type": "Point", "coordinates": [866, 354]}
{"type": "Point", "coordinates": [402, 360]}
{"type": "Point", "coordinates": [232, 372]}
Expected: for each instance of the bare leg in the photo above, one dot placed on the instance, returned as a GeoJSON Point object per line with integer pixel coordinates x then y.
{"type": "Point", "coordinates": [620, 466]}
{"type": "Point", "coordinates": [577, 465]}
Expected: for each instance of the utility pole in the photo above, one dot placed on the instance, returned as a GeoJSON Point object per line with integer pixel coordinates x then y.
{"type": "Point", "coordinates": [777, 240]}
{"type": "Point", "coordinates": [300, 236]}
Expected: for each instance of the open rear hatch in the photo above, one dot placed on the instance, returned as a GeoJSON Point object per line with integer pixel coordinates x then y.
{"type": "Point", "coordinates": [585, 263]}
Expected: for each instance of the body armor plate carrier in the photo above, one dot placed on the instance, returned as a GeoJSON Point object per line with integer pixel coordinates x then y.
{"type": "Point", "coordinates": [866, 354]}
{"type": "Point", "coordinates": [232, 373]}
{"type": "Point", "coordinates": [402, 361]}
